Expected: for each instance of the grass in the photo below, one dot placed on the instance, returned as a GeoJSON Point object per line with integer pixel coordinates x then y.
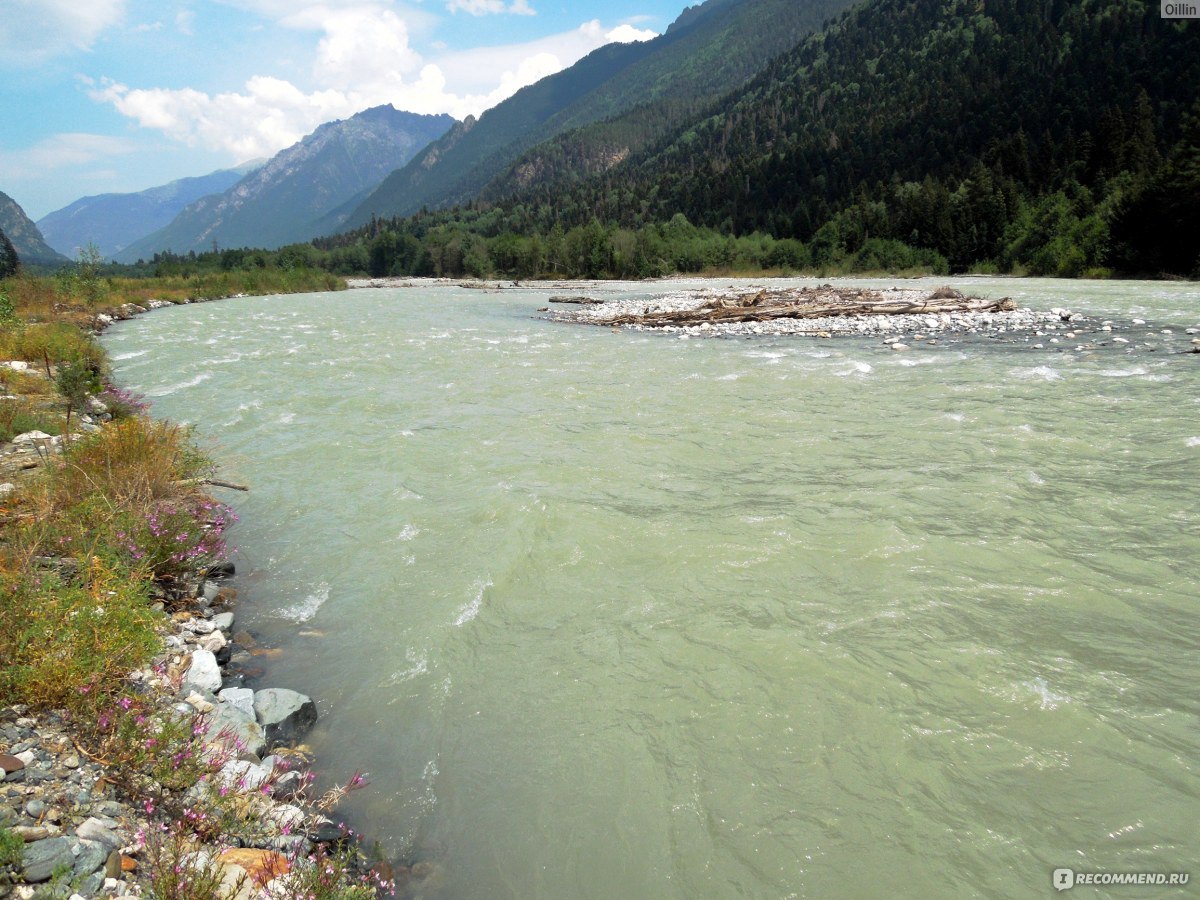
{"type": "Point", "coordinates": [19, 416]}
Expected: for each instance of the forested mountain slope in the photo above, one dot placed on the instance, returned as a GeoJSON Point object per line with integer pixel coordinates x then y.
{"type": "Point", "coordinates": [709, 49]}
{"type": "Point", "coordinates": [23, 234]}
{"type": "Point", "coordinates": [752, 35]}
{"type": "Point", "coordinates": [984, 130]}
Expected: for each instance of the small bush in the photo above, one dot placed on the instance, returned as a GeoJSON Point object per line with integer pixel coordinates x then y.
{"type": "Point", "coordinates": [11, 847]}
{"type": "Point", "coordinates": [69, 642]}
{"type": "Point", "coordinates": [125, 494]}
{"type": "Point", "coordinates": [122, 403]}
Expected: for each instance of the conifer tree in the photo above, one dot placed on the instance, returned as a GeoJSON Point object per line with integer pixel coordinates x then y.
{"type": "Point", "coordinates": [10, 263]}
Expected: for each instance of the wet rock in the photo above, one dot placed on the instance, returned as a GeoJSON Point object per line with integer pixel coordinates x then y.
{"type": "Point", "coordinates": [41, 858]}
{"type": "Point", "coordinates": [220, 570]}
{"type": "Point", "coordinates": [327, 833]}
{"type": "Point", "coordinates": [284, 715]}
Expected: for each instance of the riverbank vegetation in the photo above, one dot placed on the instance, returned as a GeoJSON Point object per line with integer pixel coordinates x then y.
{"type": "Point", "coordinates": [104, 529]}
{"type": "Point", "coordinates": [96, 510]}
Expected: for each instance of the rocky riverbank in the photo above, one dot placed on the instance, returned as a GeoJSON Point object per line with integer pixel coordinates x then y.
{"type": "Point", "coordinates": [85, 837]}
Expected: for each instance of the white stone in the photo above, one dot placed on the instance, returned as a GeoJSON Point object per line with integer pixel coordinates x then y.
{"type": "Point", "coordinates": [204, 672]}
{"type": "Point", "coordinates": [241, 699]}
{"type": "Point", "coordinates": [30, 437]}
{"type": "Point", "coordinates": [198, 703]}
{"type": "Point", "coordinates": [243, 774]}
{"type": "Point", "coordinates": [18, 365]}
{"type": "Point", "coordinates": [214, 642]}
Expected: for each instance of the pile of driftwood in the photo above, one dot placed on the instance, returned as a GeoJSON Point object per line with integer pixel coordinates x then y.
{"type": "Point", "coordinates": [815, 303]}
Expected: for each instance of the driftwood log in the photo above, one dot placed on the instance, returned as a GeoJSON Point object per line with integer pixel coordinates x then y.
{"type": "Point", "coordinates": [215, 482]}
{"type": "Point", "coordinates": [813, 303]}
{"type": "Point", "coordinates": [584, 301]}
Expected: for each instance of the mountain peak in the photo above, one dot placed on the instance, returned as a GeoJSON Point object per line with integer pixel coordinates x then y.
{"type": "Point", "coordinates": [295, 196]}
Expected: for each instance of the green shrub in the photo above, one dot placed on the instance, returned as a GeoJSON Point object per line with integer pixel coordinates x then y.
{"type": "Point", "coordinates": [68, 642]}
{"type": "Point", "coordinates": [11, 847]}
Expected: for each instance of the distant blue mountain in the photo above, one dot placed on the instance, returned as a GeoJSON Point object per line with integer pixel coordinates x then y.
{"type": "Point", "coordinates": [114, 221]}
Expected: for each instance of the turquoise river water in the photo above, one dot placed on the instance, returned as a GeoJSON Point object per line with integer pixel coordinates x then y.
{"type": "Point", "coordinates": [620, 615]}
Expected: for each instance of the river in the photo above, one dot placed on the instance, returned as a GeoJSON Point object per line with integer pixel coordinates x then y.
{"type": "Point", "coordinates": [620, 615]}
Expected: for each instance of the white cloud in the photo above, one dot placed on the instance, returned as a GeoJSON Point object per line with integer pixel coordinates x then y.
{"type": "Point", "coordinates": [68, 150]}
{"type": "Point", "coordinates": [627, 34]}
{"type": "Point", "coordinates": [490, 7]}
{"type": "Point", "coordinates": [33, 31]}
{"type": "Point", "coordinates": [363, 58]}
{"type": "Point", "coordinates": [184, 20]}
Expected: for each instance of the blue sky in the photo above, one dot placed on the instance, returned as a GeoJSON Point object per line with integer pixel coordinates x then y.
{"type": "Point", "coordinates": [121, 95]}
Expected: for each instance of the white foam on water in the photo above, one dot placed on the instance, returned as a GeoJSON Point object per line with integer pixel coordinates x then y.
{"type": "Point", "coordinates": [732, 376]}
{"type": "Point", "coordinates": [1193, 442]}
{"type": "Point", "coordinates": [1035, 478]}
{"type": "Point", "coordinates": [471, 610]}
{"type": "Point", "coordinates": [858, 368]}
{"type": "Point", "coordinates": [287, 418]}
{"type": "Point", "coordinates": [955, 417]}
{"type": "Point", "coordinates": [408, 532]}
{"type": "Point", "coordinates": [1037, 373]}
{"type": "Point", "coordinates": [132, 354]}
{"type": "Point", "coordinates": [1123, 373]}
{"type": "Point", "coordinates": [1041, 688]}
{"type": "Point", "coordinates": [181, 386]}
{"type": "Point", "coordinates": [306, 608]}
{"type": "Point", "coordinates": [418, 664]}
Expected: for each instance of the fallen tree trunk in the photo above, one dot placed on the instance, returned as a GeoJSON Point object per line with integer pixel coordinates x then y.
{"type": "Point", "coordinates": [811, 303]}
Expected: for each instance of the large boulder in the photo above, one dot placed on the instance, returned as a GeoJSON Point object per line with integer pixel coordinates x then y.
{"type": "Point", "coordinates": [233, 726]}
{"type": "Point", "coordinates": [41, 858]}
{"type": "Point", "coordinates": [284, 715]}
{"type": "Point", "coordinates": [204, 672]}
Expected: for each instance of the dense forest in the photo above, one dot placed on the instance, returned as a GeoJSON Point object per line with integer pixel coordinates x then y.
{"type": "Point", "coordinates": [1056, 137]}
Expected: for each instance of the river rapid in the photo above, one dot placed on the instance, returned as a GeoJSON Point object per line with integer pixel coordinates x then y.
{"type": "Point", "coordinates": [630, 615]}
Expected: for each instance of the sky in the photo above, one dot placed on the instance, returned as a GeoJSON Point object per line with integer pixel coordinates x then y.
{"type": "Point", "coordinates": [113, 96]}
